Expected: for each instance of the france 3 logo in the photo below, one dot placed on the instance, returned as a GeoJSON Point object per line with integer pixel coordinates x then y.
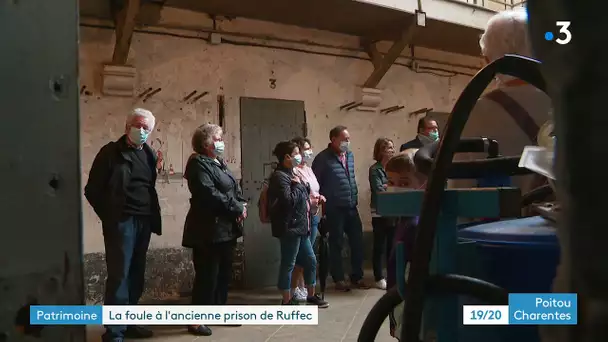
{"type": "Point", "coordinates": [563, 36]}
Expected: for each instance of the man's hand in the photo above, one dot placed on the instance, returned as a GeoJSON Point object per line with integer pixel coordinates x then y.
{"type": "Point", "coordinates": [322, 199]}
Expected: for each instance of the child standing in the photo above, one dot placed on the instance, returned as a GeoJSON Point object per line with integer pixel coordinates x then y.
{"type": "Point", "coordinates": [401, 173]}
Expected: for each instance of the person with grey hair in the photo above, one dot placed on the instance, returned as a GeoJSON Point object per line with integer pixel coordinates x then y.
{"type": "Point", "coordinates": [121, 190]}
{"type": "Point", "coordinates": [514, 112]}
{"type": "Point", "coordinates": [214, 221]}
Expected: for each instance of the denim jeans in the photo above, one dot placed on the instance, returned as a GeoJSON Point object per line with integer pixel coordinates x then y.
{"type": "Point", "coordinates": [296, 249]}
{"type": "Point", "coordinates": [341, 221]}
{"type": "Point", "coordinates": [314, 229]}
{"type": "Point", "coordinates": [126, 248]}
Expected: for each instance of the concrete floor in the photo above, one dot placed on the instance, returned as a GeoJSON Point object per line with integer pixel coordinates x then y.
{"type": "Point", "coordinates": [340, 322]}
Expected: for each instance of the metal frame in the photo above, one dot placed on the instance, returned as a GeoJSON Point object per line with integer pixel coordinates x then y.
{"type": "Point", "coordinates": [41, 246]}
{"type": "Point", "coordinates": [441, 315]}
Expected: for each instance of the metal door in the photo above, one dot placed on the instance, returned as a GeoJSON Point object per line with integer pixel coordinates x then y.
{"type": "Point", "coordinates": [264, 123]}
{"type": "Point", "coordinates": [41, 243]}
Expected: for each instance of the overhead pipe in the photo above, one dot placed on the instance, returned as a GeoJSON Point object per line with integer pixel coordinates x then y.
{"type": "Point", "coordinates": [277, 39]}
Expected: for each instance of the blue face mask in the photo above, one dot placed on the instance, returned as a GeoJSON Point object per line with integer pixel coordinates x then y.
{"type": "Point", "coordinates": [218, 148]}
{"type": "Point", "coordinates": [296, 160]}
{"type": "Point", "coordinates": [138, 136]}
{"type": "Point", "coordinates": [434, 135]}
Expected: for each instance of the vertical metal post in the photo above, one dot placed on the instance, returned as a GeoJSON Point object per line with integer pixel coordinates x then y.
{"type": "Point", "coordinates": [40, 200]}
{"type": "Point", "coordinates": [441, 322]}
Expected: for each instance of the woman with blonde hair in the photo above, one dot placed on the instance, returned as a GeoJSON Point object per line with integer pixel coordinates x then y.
{"type": "Point", "coordinates": [383, 227]}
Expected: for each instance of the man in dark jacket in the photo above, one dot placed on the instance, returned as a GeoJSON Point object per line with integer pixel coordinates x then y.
{"type": "Point", "coordinates": [121, 190]}
{"type": "Point", "coordinates": [428, 132]}
{"type": "Point", "coordinates": [334, 168]}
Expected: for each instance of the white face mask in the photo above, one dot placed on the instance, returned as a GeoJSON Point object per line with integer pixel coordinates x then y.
{"type": "Point", "coordinates": [308, 156]}
{"type": "Point", "coordinates": [218, 148]}
{"type": "Point", "coordinates": [345, 146]}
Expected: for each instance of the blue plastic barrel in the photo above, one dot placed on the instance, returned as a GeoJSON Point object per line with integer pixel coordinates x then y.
{"type": "Point", "coordinates": [519, 255]}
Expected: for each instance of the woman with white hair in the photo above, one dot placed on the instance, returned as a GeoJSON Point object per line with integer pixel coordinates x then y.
{"type": "Point", "coordinates": [513, 113]}
{"type": "Point", "coordinates": [214, 221]}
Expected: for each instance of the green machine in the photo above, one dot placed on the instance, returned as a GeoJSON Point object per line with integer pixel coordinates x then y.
{"type": "Point", "coordinates": [443, 267]}
{"type": "Point", "coordinates": [442, 316]}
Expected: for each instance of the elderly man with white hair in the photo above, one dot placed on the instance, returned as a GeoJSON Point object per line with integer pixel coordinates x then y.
{"type": "Point", "coordinates": [514, 112]}
{"type": "Point", "coordinates": [121, 190]}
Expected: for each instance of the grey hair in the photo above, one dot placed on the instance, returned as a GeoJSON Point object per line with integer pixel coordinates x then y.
{"type": "Point", "coordinates": [506, 33]}
{"type": "Point", "coordinates": [203, 136]}
{"type": "Point", "coordinates": [141, 113]}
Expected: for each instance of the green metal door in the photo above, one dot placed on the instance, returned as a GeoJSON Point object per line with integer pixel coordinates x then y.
{"type": "Point", "coordinates": [264, 123]}
{"type": "Point", "coordinates": [41, 244]}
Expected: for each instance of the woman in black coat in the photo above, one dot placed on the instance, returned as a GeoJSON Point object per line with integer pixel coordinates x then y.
{"type": "Point", "coordinates": [290, 219]}
{"type": "Point", "coordinates": [214, 221]}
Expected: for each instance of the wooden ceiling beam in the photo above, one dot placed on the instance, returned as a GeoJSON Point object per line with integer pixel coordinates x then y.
{"type": "Point", "coordinates": [383, 64]}
{"type": "Point", "coordinates": [372, 51]}
{"type": "Point", "coordinates": [125, 24]}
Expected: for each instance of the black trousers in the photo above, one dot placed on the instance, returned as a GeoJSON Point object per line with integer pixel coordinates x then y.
{"type": "Point", "coordinates": [213, 273]}
{"type": "Point", "coordinates": [384, 232]}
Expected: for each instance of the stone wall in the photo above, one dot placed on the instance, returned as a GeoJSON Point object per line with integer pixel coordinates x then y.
{"type": "Point", "coordinates": [320, 68]}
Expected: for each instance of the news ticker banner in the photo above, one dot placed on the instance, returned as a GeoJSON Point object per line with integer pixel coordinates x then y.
{"type": "Point", "coordinates": [525, 309]}
{"type": "Point", "coordinates": [174, 315]}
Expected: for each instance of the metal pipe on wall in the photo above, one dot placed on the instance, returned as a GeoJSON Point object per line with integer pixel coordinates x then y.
{"type": "Point", "coordinates": [305, 42]}
{"type": "Point", "coordinates": [283, 40]}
